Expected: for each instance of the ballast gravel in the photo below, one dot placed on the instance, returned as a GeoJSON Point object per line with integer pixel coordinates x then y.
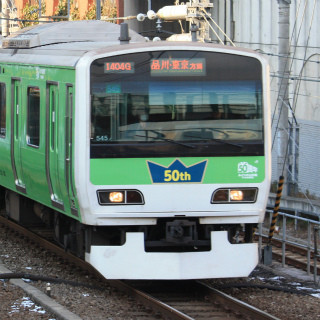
{"type": "Point", "coordinates": [94, 300]}
{"type": "Point", "coordinates": [91, 300]}
{"type": "Point", "coordinates": [16, 305]}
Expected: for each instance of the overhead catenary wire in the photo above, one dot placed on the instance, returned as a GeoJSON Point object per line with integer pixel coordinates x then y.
{"type": "Point", "coordinates": [293, 58]}
{"type": "Point", "coordinates": [301, 94]}
{"type": "Point", "coordinates": [305, 55]}
{"type": "Point", "coordinates": [26, 20]}
{"type": "Point", "coordinates": [296, 77]}
{"type": "Point", "coordinates": [271, 44]}
{"type": "Point", "coordinates": [290, 108]}
{"type": "Point", "coordinates": [287, 58]}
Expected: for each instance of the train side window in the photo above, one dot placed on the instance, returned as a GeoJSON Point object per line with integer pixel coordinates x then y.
{"type": "Point", "coordinates": [3, 110]}
{"type": "Point", "coordinates": [33, 118]}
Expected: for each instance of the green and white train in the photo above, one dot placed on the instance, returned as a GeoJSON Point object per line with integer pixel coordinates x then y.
{"type": "Point", "coordinates": [151, 160]}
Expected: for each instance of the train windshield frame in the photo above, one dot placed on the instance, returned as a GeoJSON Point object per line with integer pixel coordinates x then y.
{"type": "Point", "coordinates": [176, 103]}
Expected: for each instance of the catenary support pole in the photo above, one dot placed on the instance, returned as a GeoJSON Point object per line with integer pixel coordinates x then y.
{"type": "Point", "coordinates": [276, 208]}
{"type": "Point", "coordinates": [283, 99]}
{"type": "Point", "coordinates": [267, 250]}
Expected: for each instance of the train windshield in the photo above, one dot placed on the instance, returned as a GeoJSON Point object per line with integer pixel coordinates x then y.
{"type": "Point", "coordinates": [175, 103]}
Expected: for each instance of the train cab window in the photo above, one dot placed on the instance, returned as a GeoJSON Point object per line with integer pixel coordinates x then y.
{"type": "Point", "coordinates": [33, 118]}
{"type": "Point", "coordinates": [164, 103]}
{"type": "Point", "coordinates": [101, 124]}
{"type": "Point", "coordinates": [2, 110]}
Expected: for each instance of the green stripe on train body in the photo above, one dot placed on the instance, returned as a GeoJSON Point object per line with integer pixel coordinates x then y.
{"type": "Point", "coordinates": [221, 170]}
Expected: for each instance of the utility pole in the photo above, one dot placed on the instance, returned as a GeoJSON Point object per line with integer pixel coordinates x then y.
{"type": "Point", "coordinates": [283, 84]}
{"type": "Point", "coordinates": [5, 21]}
{"type": "Point", "coordinates": [98, 10]}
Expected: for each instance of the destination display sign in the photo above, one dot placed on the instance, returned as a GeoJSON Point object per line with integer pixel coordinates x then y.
{"type": "Point", "coordinates": [119, 67]}
{"type": "Point", "coordinates": [178, 67]}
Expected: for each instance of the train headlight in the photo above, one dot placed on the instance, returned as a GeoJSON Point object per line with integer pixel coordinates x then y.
{"type": "Point", "coordinates": [234, 195]}
{"type": "Point", "coordinates": [117, 197]}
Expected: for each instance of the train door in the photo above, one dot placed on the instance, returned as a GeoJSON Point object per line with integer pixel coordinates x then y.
{"type": "Point", "coordinates": [53, 149]}
{"type": "Point", "coordinates": [68, 151]}
{"type": "Point", "coordinates": [16, 134]}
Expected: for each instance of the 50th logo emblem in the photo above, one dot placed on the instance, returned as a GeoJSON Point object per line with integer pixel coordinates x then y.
{"type": "Point", "coordinates": [177, 172]}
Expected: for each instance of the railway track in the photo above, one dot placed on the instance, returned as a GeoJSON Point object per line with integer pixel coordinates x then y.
{"type": "Point", "coordinates": [171, 300]}
{"type": "Point", "coordinates": [196, 300]}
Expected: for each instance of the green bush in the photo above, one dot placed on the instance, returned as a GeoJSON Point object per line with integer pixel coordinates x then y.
{"type": "Point", "coordinates": [31, 12]}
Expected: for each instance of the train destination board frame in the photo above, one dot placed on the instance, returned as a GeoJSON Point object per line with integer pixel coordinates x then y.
{"type": "Point", "coordinates": [178, 67]}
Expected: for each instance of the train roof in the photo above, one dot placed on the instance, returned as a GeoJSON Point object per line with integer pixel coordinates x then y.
{"type": "Point", "coordinates": [64, 42]}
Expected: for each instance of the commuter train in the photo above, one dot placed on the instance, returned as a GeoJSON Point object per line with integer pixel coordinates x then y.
{"type": "Point", "coordinates": [149, 160]}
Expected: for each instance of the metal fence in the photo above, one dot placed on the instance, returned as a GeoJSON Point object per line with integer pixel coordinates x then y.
{"type": "Point", "coordinates": [297, 230]}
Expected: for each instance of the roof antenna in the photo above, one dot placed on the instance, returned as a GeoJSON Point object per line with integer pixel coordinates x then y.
{"type": "Point", "coordinates": [124, 33]}
{"type": "Point", "coordinates": [194, 29]}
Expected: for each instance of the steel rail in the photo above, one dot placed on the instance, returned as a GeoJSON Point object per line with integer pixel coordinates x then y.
{"type": "Point", "coordinates": [151, 302]}
{"type": "Point", "coordinates": [218, 305]}
{"type": "Point", "coordinates": [234, 304]}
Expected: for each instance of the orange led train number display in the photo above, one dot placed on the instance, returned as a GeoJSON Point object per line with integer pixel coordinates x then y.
{"type": "Point", "coordinates": [115, 67]}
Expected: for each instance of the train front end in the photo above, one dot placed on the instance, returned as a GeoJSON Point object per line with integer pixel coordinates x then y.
{"type": "Point", "coordinates": [172, 159]}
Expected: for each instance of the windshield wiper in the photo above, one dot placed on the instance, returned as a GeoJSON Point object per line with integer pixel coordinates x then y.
{"type": "Point", "coordinates": [160, 137]}
{"type": "Point", "coordinates": [216, 140]}
{"type": "Point", "coordinates": [176, 142]}
{"type": "Point", "coordinates": [225, 142]}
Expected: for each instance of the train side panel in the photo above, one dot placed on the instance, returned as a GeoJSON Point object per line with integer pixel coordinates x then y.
{"type": "Point", "coordinates": [37, 118]}
{"type": "Point", "coordinates": [6, 177]}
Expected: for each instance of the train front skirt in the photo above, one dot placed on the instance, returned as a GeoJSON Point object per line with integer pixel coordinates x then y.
{"type": "Point", "coordinates": [130, 261]}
